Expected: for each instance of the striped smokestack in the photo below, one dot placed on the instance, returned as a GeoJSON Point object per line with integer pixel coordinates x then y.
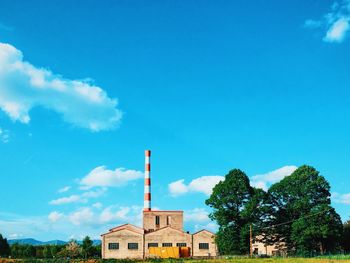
{"type": "Point", "coordinates": [147, 198]}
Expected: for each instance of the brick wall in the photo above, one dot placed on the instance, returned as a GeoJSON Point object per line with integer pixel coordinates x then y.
{"type": "Point", "coordinates": [176, 219]}
{"type": "Point", "coordinates": [123, 237]}
{"type": "Point", "coordinates": [167, 235]}
{"type": "Point", "coordinates": [204, 237]}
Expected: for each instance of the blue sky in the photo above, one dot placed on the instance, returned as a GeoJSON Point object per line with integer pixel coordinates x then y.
{"type": "Point", "coordinates": [208, 86]}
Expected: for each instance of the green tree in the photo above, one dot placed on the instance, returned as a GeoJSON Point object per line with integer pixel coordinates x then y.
{"type": "Point", "coordinates": [55, 249]}
{"type": "Point", "coordinates": [87, 247]}
{"type": "Point", "coordinates": [346, 236]}
{"type": "Point", "coordinates": [235, 206]}
{"type": "Point", "coordinates": [72, 249]}
{"type": "Point", "coordinates": [47, 252]}
{"type": "Point", "coordinates": [16, 251]}
{"type": "Point", "coordinates": [29, 251]}
{"type": "Point", "coordinates": [4, 247]}
{"type": "Point", "coordinates": [302, 214]}
{"type": "Point", "coordinates": [97, 251]}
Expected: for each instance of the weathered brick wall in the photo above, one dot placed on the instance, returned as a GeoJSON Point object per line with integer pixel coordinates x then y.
{"type": "Point", "coordinates": [123, 237]}
{"type": "Point", "coordinates": [204, 237]}
{"type": "Point", "coordinates": [175, 222]}
{"type": "Point", "coordinates": [167, 235]}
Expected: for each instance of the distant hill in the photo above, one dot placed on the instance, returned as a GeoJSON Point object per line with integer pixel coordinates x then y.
{"type": "Point", "coordinates": [54, 242]}
{"type": "Point", "coordinates": [25, 241]}
{"type": "Point", "coordinates": [34, 242]}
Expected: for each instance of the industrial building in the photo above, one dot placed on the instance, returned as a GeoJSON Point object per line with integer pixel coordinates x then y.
{"type": "Point", "coordinates": [162, 234]}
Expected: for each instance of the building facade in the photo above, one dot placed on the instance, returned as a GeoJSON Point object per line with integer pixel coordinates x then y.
{"type": "Point", "coordinates": [161, 229]}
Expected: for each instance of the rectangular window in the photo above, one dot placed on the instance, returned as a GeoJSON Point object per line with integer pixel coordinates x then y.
{"type": "Point", "coordinates": [133, 246]}
{"type": "Point", "coordinates": [113, 246]}
{"type": "Point", "coordinates": [152, 244]}
{"type": "Point", "coordinates": [167, 244]}
{"type": "Point", "coordinates": [181, 244]}
{"type": "Point", "coordinates": [168, 220]}
{"type": "Point", "coordinates": [157, 220]}
{"type": "Point", "coordinates": [203, 245]}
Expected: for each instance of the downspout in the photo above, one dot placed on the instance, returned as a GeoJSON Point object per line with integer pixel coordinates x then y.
{"type": "Point", "coordinates": [192, 246]}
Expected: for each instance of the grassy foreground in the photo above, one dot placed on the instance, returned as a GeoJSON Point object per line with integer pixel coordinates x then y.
{"type": "Point", "coordinates": [228, 260]}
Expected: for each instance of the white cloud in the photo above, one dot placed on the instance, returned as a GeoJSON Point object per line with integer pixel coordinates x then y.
{"type": "Point", "coordinates": [341, 198]}
{"type": "Point", "coordinates": [94, 194]}
{"type": "Point", "coordinates": [24, 86]}
{"type": "Point", "coordinates": [82, 216]}
{"type": "Point", "coordinates": [336, 22]}
{"type": "Point", "coordinates": [97, 205]}
{"type": "Point", "coordinates": [82, 198]}
{"type": "Point", "coordinates": [121, 214]}
{"type": "Point", "coordinates": [203, 184]}
{"type": "Point", "coordinates": [211, 226]}
{"type": "Point", "coordinates": [178, 188]}
{"type": "Point", "coordinates": [14, 236]}
{"type": "Point", "coordinates": [55, 216]}
{"type": "Point", "coordinates": [196, 215]}
{"type": "Point", "coordinates": [4, 136]}
{"type": "Point", "coordinates": [64, 189]}
{"type": "Point", "coordinates": [199, 217]}
{"type": "Point", "coordinates": [109, 215]}
{"type": "Point", "coordinates": [94, 215]}
{"type": "Point", "coordinates": [263, 181]}
{"type": "Point", "coordinates": [338, 30]}
{"type": "Point", "coordinates": [113, 214]}
{"type": "Point", "coordinates": [100, 176]}
{"type": "Point", "coordinates": [67, 200]}
{"type": "Point", "coordinates": [15, 226]}
{"type": "Point", "coordinates": [42, 228]}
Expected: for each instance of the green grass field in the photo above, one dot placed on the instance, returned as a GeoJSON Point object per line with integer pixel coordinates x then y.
{"type": "Point", "coordinates": [276, 260]}
{"type": "Point", "coordinates": [342, 259]}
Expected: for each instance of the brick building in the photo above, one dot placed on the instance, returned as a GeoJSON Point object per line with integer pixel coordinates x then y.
{"type": "Point", "coordinates": [161, 229]}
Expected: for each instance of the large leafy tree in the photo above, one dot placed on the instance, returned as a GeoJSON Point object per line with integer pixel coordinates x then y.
{"type": "Point", "coordinates": [346, 236]}
{"type": "Point", "coordinates": [302, 215]}
{"type": "Point", "coordinates": [235, 206]}
{"type": "Point", "coordinates": [87, 247]}
{"type": "Point", "coordinates": [4, 247]}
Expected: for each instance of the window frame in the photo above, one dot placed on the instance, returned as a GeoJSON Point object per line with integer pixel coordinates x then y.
{"type": "Point", "coordinates": [167, 244]}
{"type": "Point", "coordinates": [204, 246]}
{"type": "Point", "coordinates": [152, 245]}
{"type": "Point", "coordinates": [111, 248]}
{"type": "Point", "coordinates": [168, 220]}
{"type": "Point", "coordinates": [181, 244]}
{"type": "Point", "coordinates": [136, 246]}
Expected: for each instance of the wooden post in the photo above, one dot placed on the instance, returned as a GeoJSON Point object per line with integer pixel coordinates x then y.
{"type": "Point", "coordinates": [251, 241]}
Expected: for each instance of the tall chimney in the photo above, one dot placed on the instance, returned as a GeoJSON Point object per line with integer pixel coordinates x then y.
{"type": "Point", "coordinates": [147, 198]}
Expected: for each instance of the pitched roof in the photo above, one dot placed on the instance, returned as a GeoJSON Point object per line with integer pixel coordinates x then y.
{"type": "Point", "coordinates": [202, 231]}
{"type": "Point", "coordinates": [163, 228]}
{"type": "Point", "coordinates": [128, 227]}
{"type": "Point", "coordinates": [163, 211]}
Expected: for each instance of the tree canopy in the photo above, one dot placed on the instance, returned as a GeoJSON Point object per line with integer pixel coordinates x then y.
{"type": "Point", "coordinates": [346, 236]}
{"type": "Point", "coordinates": [234, 204]}
{"type": "Point", "coordinates": [303, 199]}
{"type": "Point", "coordinates": [4, 247]}
{"type": "Point", "coordinates": [295, 212]}
{"type": "Point", "coordinates": [87, 247]}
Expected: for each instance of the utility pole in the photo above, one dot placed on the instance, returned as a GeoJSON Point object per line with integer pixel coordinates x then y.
{"type": "Point", "coordinates": [251, 241]}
